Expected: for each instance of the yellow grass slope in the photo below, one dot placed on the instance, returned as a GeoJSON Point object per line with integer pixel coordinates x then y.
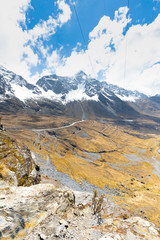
{"type": "Point", "coordinates": [105, 155]}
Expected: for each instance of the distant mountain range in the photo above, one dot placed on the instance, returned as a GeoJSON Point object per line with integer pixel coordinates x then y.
{"type": "Point", "coordinates": [72, 96]}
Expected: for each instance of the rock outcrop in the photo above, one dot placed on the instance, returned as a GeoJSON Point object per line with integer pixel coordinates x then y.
{"type": "Point", "coordinates": [50, 210]}
{"type": "Point", "coordinates": [16, 164]}
{"type": "Point", "coordinates": [23, 208]}
{"type": "Point", "coordinates": [44, 212]}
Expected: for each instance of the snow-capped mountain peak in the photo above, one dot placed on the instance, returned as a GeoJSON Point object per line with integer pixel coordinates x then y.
{"type": "Point", "coordinates": [81, 75]}
{"type": "Point", "coordinates": [126, 95]}
{"type": "Point", "coordinates": [15, 85]}
{"type": "Point", "coordinates": [80, 87]}
{"type": "Point", "coordinates": [57, 95]}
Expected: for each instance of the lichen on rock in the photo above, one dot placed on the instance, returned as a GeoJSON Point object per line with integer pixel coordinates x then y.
{"type": "Point", "coordinates": [16, 164]}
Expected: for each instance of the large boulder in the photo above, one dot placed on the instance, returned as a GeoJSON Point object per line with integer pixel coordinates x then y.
{"type": "Point", "coordinates": [16, 164]}
{"type": "Point", "coordinates": [25, 208]}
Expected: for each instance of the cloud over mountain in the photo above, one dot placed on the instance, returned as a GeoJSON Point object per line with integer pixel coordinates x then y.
{"type": "Point", "coordinates": [118, 49]}
{"type": "Point", "coordinates": [131, 60]}
{"type": "Point", "coordinates": [17, 43]}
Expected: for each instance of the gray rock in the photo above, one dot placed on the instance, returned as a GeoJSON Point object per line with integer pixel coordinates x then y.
{"type": "Point", "coordinates": [63, 222]}
{"type": "Point", "coordinates": [130, 236]}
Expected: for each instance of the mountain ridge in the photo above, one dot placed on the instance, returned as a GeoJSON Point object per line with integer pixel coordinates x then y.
{"type": "Point", "coordinates": [60, 85]}
{"type": "Point", "coordinates": [54, 94]}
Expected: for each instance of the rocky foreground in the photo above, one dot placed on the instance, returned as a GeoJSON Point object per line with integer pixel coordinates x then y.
{"type": "Point", "coordinates": [47, 211]}
{"type": "Point", "coordinates": [34, 210]}
{"type": "Point", "coordinates": [16, 164]}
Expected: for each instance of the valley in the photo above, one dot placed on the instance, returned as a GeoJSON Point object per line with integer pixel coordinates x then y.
{"type": "Point", "coordinates": [118, 158]}
{"type": "Point", "coordinates": [80, 120]}
{"type": "Point", "coordinates": [93, 151]}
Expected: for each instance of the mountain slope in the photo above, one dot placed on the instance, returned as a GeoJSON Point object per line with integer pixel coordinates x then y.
{"type": "Point", "coordinates": [17, 166]}
{"type": "Point", "coordinates": [71, 96]}
{"type": "Point", "coordinates": [15, 85]}
{"type": "Point", "coordinates": [82, 87]}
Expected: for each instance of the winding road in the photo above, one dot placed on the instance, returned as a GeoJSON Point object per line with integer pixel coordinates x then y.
{"type": "Point", "coordinates": [67, 126]}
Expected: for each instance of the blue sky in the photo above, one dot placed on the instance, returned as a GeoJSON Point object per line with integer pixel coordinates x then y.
{"type": "Point", "coordinates": [104, 38]}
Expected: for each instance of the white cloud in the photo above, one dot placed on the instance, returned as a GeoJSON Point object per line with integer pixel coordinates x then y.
{"type": "Point", "coordinates": [53, 60]}
{"type": "Point", "coordinates": [66, 12]}
{"type": "Point", "coordinates": [17, 45]}
{"type": "Point", "coordinates": [12, 38]}
{"type": "Point", "coordinates": [99, 54]}
{"type": "Point", "coordinates": [44, 29]}
{"type": "Point", "coordinates": [143, 51]}
{"type": "Point", "coordinates": [105, 52]}
{"type": "Point", "coordinates": [107, 49]}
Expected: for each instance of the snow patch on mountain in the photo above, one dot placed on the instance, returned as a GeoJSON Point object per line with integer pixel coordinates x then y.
{"type": "Point", "coordinates": [2, 98]}
{"type": "Point", "coordinates": [22, 93]}
{"type": "Point", "coordinates": [130, 98]}
{"type": "Point", "coordinates": [63, 89]}
{"type": "Point", "coordinates": [79, 95]}
{"type": "Point", "coordinates": [7, 74]}
{"type": "Point", "coordinates": [50, 95]}
{"type": "Point", "coordinates": [107, 95]}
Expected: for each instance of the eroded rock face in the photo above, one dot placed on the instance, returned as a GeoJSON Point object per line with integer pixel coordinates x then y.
{"type": "Point", "coordinates": [23, 208]}
{"type": "Point", "coordinates": [133, 228]}
{"type": "Point", "coordinates": [16, 164]}
{"type": "Point", "coordinates": [44, 212]}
